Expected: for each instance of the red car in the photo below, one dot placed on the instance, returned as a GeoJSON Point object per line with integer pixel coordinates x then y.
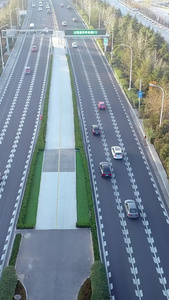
{"type": "Point", "coordinates": [34, 49]}
{"type": "Point", "coordinates": [101, 105]}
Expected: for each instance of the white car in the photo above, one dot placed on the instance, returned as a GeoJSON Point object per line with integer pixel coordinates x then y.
{"type": "Point", "coordinates": [40, 8]}
{"type": "Point", "coordinates": [74, 45]}
{"type": "Point", "coordinates": [64, 23]}
{"type": "Point", "coordinates": [62, 4]}
{"type": "Point", "coordinates": [74, 20]}
{"type": "Point", "coordinates": [33, 5]}
{"type": "Point", "coordinates": [116, 152]}
{"type": "Point", "coordinates": [27, 70]}
{"type": "Point", "coordinates": [45, 30]}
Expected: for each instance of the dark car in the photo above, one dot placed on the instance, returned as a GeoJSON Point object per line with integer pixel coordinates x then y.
{"type": "Point", "coordinates": [95, 129]}
{"type": "Point", "coordinates": [131, 208]}
{"type": "Point", "coordinates": [105, 169]}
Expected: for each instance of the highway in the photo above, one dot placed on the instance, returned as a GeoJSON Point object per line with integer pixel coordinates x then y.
{"type": "Point", "coordinates": [21, 106]}
{"type": "Point", "coordinates": [135, 252]}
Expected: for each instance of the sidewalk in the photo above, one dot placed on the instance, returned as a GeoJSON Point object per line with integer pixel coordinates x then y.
{"type": "Point", "coordinates": [57, 199]}
{"type": "Point", "coordinates": [56, 257]}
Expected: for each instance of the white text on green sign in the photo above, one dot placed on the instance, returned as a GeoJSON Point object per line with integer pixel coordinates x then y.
{"type": "Point", "coordinates": [85, 32]}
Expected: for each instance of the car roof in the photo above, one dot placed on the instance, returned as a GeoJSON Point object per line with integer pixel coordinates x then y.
{"type": "Point", "coordinates": [104, 164]}
{"type": "Point", "coordinates": [117, 148]}
{"type": "Point", "coordinates": [130, 202]}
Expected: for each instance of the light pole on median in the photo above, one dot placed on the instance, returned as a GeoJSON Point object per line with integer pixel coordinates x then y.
{"type": "Point", "coordinates": [162, 101]}
{"type": "Point", "coordinates": [2, 60]}
{"type": "Point", "coordinates": [131, 62]}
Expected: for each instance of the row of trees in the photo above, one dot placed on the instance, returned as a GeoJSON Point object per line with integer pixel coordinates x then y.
{"type": "Point", "coordinates": [150, 65]}
{"type": "Point", "coordinates": [7, 12]}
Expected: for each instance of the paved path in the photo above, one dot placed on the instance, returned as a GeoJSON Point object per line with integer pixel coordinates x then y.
{"type": "Point", "coordinates": [57, 199]}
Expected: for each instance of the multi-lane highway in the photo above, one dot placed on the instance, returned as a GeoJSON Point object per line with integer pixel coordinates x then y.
{"type": "Point", "coordinates": [21, 105]}
{"type": "Point", "coordinates": [135, 252]}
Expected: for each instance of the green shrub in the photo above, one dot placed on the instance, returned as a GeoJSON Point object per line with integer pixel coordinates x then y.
{"type": "Point", "coordinates": [8, 283]}
{"type": "Point", "coordinates": [164, 151]}
{"type": "Point", "coordinates": [83, 219]}
{"type": "Point", "coordinates": [99, 283]}
{"type": "Point", "coordinates": [15, 250]}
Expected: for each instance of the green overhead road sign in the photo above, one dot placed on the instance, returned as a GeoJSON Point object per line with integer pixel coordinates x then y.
{"type": "Point", "coordinates": [85, 32]}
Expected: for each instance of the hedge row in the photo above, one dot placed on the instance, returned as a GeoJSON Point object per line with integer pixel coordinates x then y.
{"type": "Point", "coordinates": [99, 282]}
{"type": "Point", "coordinates": [95, 287]}
{"type": "Point", "coordinates": [79, 145]}
{"type": "Point", "coordinates": [15, 250]}
{"type": "Point", "coordinates": [8, 283]}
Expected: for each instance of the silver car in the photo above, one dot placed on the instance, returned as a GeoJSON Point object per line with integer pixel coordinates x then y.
{"type": "Point", "coordinates": [131, 208]}
{"type": "Point", "coordinates": [116, 152]}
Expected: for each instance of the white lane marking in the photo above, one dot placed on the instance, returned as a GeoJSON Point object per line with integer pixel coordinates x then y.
{"type": "Point", "coordinates": [134, 187]}
{"type": "Point", "coordinates": [26, 168]}
{"type": "Point", "coordinates": [118, 200]}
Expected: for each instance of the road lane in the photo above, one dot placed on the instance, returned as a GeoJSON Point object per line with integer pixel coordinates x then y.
{"type": "Point", "coordinates": [129, 180]}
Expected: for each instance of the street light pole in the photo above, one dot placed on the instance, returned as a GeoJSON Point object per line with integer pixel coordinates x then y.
{"type": "Point", "coordinates": [2, 60]}
{"type": "Point", "coordinates": [11, 16]}
{"type": "Point", "coordinates": [112, 45]}
{"type": "Point", "coordinates": [89, 12]}
{"type": "Point", "coordinates": [131, 62]}
{"type": "Point", "coordinates": [162, 101]}
{"type": "Point", "coordinates": [99, 19]}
